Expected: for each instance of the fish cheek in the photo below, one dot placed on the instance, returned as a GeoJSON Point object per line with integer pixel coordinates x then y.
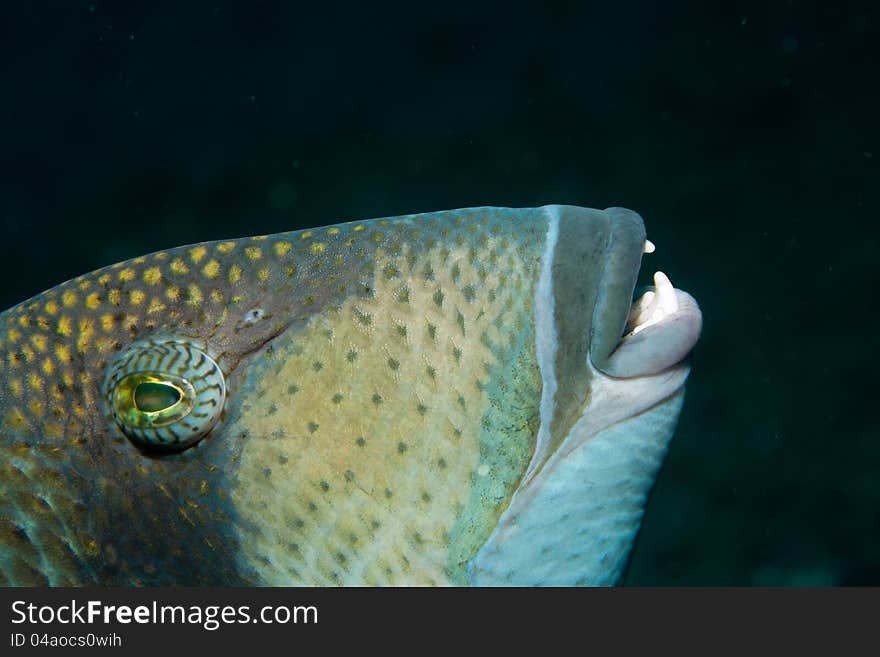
{"type": "Point", "coordinates": [386, 436]}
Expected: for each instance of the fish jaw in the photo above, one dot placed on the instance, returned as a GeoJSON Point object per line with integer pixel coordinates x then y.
{"type": "Point", "coordinates": [576, 513]}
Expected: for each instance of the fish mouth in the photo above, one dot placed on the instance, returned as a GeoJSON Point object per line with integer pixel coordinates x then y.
{"type": "Point", "coordinates": [662, 328]}
{"type": "Point", "coordinates": [646, 336]}
{"type": "Point", "coordinates": [591, 335]}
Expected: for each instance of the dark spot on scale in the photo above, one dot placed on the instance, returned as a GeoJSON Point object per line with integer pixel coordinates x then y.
{"type": "Point", "coordinates": [388, 493]}
{"type": "Point", "coordinates": [337, 398]}
{"type": "Point", "coordinates": [426, 497]}
{"type": "Point", "coordinates": [377, 398]}
{"type": "Point", "coordinates": [292, 389]}
{"type": "Point", "coordinates": [401, 447]}
{"type": "Point", "coordinates": [351, 356]}
{"type": "Point", "coordinates": [349, 475]}
{"type": "Point", "coordinates": [317, 366]}
{"type": "Point", "coordinates": [441, 463]}
{"type": "Point", "coordinates": [324, 486]}
{"type": "Point", "coordinates": [267, 472]}
{"type": "Point", "coordinates": [422, 409]}
{"type": "Point", "coordinates": [313, 426]}
{"type": "Point", "coordinates": [360, 442]}
{"type": "Point", "coordinates": [282, 459]}
{"type": "Point", "coordinates": [312, 507]}
{"type": "Point", "coordinates": [273, 408]}
{"type": "Point", "coordinates": [394, 364]}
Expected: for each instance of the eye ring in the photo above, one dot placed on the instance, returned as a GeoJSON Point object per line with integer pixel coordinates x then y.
{"type": "Point", "coordinates": [165, 394]}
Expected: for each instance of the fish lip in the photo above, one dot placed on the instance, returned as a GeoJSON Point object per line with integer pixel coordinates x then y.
{"type": "Point", "coordinates": [620, 271]}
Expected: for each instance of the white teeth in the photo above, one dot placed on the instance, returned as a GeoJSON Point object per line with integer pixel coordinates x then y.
{"type": "Point", "coordinates": [666, 298]}
{"type": "Point", "coordinates": [649, 246]}
{"type": "Point", "coordinates": [654, 306]}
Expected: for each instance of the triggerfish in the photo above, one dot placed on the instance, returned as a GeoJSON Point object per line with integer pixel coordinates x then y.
{"type": "Point", "coordinates": [460, 397]}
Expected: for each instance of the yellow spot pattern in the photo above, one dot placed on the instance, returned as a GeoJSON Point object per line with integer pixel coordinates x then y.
{"type": "Point", "coordinates": [64, 326]}
{"type": "Point", "coordinates": [212, 269]}
{"type": "Point", "coordinates": [152, 276]}
{"type": "Point", "coordinates": [196, 254]}
{"type": "Point", "coordinates": [178, 266]}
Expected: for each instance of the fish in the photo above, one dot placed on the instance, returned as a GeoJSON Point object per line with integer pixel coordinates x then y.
{"type": "Point", "coordinates": [464, 397]}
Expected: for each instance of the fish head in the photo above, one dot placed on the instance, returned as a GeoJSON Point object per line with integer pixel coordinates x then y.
{"type": "Point", "coordinates": [461, 397]}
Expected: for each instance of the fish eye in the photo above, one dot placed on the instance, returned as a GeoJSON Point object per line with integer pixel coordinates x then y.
{"type": "Point", "coordinates": [165, 394]}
